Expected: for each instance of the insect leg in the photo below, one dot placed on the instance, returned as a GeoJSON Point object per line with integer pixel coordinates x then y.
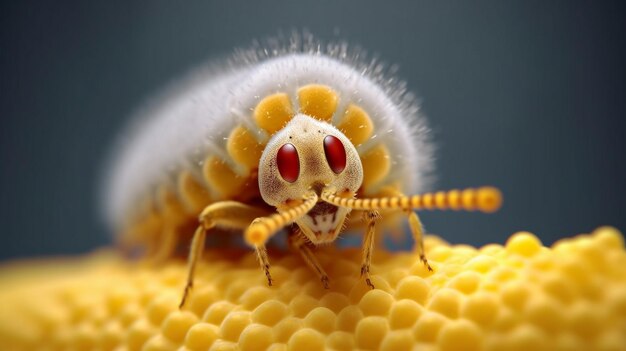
{"type": "Point", "coordinates": [299, 243]}
{"type": "Point", "coordinates": [371, 217]}
{"type": "Point", "coordinates": [418, 234]}
{"type": "Point", "coordinates": [263, 228]}
{"type": "Point", "coordinates": [225, 214]}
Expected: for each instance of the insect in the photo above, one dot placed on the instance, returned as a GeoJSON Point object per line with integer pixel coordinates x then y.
{"type": "Point", "coordinates": [298, 137]}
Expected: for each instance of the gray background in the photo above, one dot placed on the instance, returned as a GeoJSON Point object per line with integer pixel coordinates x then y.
{"type": "Point", "coordinates": [528, 96]}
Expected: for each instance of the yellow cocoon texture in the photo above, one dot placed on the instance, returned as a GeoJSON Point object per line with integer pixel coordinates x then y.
{"type": "Point", "coordinates": [520, 296]}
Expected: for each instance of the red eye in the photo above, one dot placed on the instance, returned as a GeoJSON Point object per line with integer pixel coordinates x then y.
{"type": "Point", "coordinates": [288, 163]}
{"type": "Point", "coordinates": [335, 154]}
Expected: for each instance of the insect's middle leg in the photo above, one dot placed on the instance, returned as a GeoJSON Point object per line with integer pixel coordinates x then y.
{"type": "Point", "coordinates": [298, 242]}
{"type": "Point", "coordinates": [371, 217]}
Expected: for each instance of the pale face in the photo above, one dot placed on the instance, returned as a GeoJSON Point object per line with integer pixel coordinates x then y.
{"type": "Point", "coordinates": [308, 154]}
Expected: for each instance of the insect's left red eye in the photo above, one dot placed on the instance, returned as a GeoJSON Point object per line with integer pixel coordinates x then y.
{"type": "Point", "coordinates": [335, 154]}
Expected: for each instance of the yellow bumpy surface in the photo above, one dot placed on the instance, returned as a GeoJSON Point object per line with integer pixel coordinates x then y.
{"type": "Point", "coordinates": [520, 296]}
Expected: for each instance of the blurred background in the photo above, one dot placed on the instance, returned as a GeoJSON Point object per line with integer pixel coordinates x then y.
{"type": "Point", "coordinates": [528, 96]}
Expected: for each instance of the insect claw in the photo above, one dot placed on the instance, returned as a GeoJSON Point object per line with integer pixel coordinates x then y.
{"type": "Point", "coordinates": [368, 281]}
{"type": "Point", "coordinates": [325, 281]}
{"type": "Point", "coordinates": [425, 262]}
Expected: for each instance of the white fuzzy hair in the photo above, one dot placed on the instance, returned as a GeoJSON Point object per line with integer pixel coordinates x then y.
{"type": "Point", "coordinates": [179, 128]}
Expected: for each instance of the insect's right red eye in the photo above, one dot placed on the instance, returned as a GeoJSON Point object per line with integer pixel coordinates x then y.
{"type": "Point", "coordinates": [288, 163]}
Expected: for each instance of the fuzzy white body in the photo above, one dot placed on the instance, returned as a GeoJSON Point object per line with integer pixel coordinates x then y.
{"type": "Point", "coordinates": [192, 121]}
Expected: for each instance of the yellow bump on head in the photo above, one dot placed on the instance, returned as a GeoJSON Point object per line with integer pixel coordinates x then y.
{"type": "Point", "coordinates": [193, 193]}
{"type": "Point", "coordinates": [376, 165]}
{"type": "Point", "coordinates": [273, 112]}
{"type": "Point", "coordinates": [318, 101]}
{"type": "Point", "coordinates": [171, 208]}
{"type": "Point", "coordinates": [356, 125]}
{"type": "Point", "coordinates": [524, 243]}
{"type": "Point", "coordinates": [222, 178]}
{"type": "Point", "coordinates": [244, 148]}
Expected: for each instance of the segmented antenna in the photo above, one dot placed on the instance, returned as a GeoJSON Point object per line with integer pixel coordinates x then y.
{"type": "Point", "coordinates": [262, 228]}
{"type": "Point", "coordinates": [485, 199]}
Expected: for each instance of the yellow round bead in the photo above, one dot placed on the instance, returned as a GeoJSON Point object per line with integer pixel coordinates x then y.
{"type": "Point", "coordinates": [460, 335]}
{"type": "Point", "coordinates": [256, 337]}
{"type": "Point", "coordinates": [269, 312]}
{"type": "Point", "coordinates": [398, 340]}
{"type": "Point", "coordinates": [216, 313]}
{"type": "Point", "coordinates": [256, 296]}
{"type": "Point", "coordinates": [301, 305]}
{"type": "Point", "coordinates": [177, 323]}
{"type": "Point", "coordinates": [428, 326]}
{"type": "Point", "coordinates": [376, 303]}
{"type": "Point", "coordinates": [139, 333]}
{"type": "Point", "coordinates": [370, 332]}
{"type": "Point", "coordinates": [523, 243]}
{"type": "Point", "coordinates": [159, 343]}
{"type": "Point", "coordinates": [321, 319]}
{"type": "Point", "coordinates": [609, 238]}
{"type": "Point", "coordinates": [414, 288]}
{"type": "Point", "coordinates": [234, 324]}
{"type": "Point", "coordinates": [404, 314]}
{"type": "Point", "coordinates": [466, 282]}
{"type": "Point", "coordinates": [340, 340]}
{"type": "Point", "coordinates": [482, 308]}
{"type": "Point", "coordinates": [284, 329]}
{"type": "Point", "coordinates": [334, 301]}
{"type": "Point", "coordinates": [348, 318]}
{"type": "Point", "coordinates": [161, 308]}
{"type": "Point", "coordinates": [447, 302]}
{"type": "Point", "coordinates": [306, 339]}
{"type": "Point", "coordinates": [201, 336]}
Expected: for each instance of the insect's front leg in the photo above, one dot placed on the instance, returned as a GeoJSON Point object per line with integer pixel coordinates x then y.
{"type": "Point", "coordinates": [418, 234]}
{"type": "Point", "coordinates": [225, 214]}
{"type": "Point", "coordinates": [370, 217]}
{"type": "Point", "coordinates": [298, 242]}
